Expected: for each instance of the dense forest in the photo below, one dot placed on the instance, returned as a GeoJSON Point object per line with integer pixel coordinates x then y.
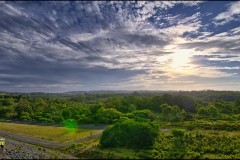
{"type": "Point", "coordinates": [199, 121]}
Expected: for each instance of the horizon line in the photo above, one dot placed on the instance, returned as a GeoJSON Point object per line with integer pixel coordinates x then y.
{"type": "Point", "coordinates": [67, 92]}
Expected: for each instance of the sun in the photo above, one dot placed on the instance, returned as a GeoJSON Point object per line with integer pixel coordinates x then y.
{"type": "Point", "coordinates": [180, 63]}
{"type": "Point", "coordinates": [179, 59]}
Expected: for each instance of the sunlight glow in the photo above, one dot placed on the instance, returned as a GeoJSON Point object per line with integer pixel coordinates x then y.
{"type": "Point", "coordinates": [179, 60]}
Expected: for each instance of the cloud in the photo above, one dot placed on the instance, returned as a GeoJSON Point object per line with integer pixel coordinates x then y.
{"type": "Point", "coordinates": [224, 42]}
{"type": "Point", "coordinates": [228, 15]}
{"type": "Point", "coordinates": [62, 46]}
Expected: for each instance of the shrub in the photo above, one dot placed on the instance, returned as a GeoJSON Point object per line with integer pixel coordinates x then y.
{"type": "Point", "coordinates": [131, 134]}
{"type": "Point", "coordinates": [177, 132]}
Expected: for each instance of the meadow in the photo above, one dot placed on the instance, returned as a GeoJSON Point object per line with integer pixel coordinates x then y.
{"type": "Point", "coordinates": [50, 133]}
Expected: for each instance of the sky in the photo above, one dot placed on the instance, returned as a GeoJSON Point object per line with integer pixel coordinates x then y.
{"type": "Point", "coordinates": [60, 46]}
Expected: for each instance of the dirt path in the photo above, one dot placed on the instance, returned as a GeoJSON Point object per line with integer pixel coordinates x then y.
{"type": "Point", "coordinates": [44, 143]}
{"type": "Point", "coordinates": [20, 150]}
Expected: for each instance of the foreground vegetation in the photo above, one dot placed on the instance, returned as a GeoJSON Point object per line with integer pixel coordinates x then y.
{"type": "Point", "coordinates": [170, 144]}
{"type": "Point", "coordinates": [165, 126]}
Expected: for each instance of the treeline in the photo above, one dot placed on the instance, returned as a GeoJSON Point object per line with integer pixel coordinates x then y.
{"type": "Point", "coordinates": [205, 95]}
{"type": "Point", "coordinates": [58, 110]}
{"type": "Point", "coordinates": [164, 107]}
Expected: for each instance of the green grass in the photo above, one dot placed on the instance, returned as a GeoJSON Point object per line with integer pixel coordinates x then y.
{"type": "Point", "coordinates": [123, 153]}
{"type": "Point", "coordinates": [111, 153]}
{"type": "Point", "coordinates": [217, 133]}
{"type": "Point", "coordinates": [51, 133]}
{"type": "Point", "coordinates": [91, 149]}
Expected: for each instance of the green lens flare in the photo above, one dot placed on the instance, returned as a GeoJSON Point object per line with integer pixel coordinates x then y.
{"type": "Point", "coordinates": [71, 125]}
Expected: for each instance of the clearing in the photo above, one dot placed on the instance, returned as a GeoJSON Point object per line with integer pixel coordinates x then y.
{"type": "Point", "coordinates": [49, 133]}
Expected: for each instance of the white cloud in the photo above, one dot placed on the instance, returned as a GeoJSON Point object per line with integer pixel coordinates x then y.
{"type": "Point", "coordinates": [227, 16]}
{"type": "Point", "coordinates": [192, 3]}
{"type": "Point", "coordinates": [235, 31]}
{"type": "Point", "coordinates": [179, 29]}
{"type": "Point", "coordinates": [11, 10]}
{"type": "Point", "coordinates": [87, 36]}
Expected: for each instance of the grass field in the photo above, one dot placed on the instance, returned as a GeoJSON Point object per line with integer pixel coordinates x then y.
{"type": "Point", "coordinates": [50, 133]}
{"type": "Point", "coordinates": [91, 149]}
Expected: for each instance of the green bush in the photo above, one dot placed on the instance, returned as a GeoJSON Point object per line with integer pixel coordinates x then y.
{"type": "Point", "coordinates": [178, 132]}
{"type": "Point", "coordinates": [107, 116]}
{"type": "Point", "coordinates": [130, 134]}
{"type": "Point", "coordinates": [198, 145]}
{"type": "Point", "coordinates": [171, 113]}
{"type": "Point", "coordinates": [146, 114]}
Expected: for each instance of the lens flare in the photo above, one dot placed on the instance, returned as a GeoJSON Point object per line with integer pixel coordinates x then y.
{"type": "Point", "coordinates": [71, 125]}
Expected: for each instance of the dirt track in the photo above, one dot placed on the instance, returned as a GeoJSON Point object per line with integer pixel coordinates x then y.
{"type": "Point", "coordinates": [20, 150]}
{"type": "Point", "coordinates": [44, 143]}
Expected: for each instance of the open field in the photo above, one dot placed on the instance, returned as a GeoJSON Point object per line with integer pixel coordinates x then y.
{"type": "Point", "coordinates": [50, 133]}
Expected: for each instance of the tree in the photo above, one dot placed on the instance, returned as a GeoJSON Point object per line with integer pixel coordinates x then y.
{"type": "Point", "coordinates": [25, 116]}
{"type": "Point", "coordinates": [213, 112]}
{"type": "Point", "coordinates": [23, 105]}
{"type": "Point", "coordinates": [146, 114]}
{"type": "Point", "coordinates": [202, 112]}
{"type": "Point", "coordinates": [58, 118]}
{"type": "Point", "coordinates": [8, 101]}
{"type": "Point", "coordinates": [40, 105]}
{"type": "Point", "coordinates": [132, 108]}
{"type": "Point", "coordinates": [210, 112]}
{"type": "Point", "coordinates": [107, 116]}
{"type": "Point", "coordinates": [225, 107]}
{"type": "Point", "coordinates": [171, 113]}
{"type": "Point", "coordinates": [131, 134]}
{"type": "Point", "coordinates": [6, 111]}
{"type": "Point", "coordinates": [66, 113]}
{"type": "Point", "coordinates": [237, 106]}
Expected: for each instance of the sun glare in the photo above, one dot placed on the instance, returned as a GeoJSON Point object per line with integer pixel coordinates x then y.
{"type": "Point", "coordinates": [179, 60]}
{"type": "Point", "coordinates": [178, 63]}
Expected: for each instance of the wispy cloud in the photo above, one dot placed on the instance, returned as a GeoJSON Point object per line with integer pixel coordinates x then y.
{"type": "Point", "coordinates": [229, 15]}
{"type": "Point", "coordinates": [62, 46]}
